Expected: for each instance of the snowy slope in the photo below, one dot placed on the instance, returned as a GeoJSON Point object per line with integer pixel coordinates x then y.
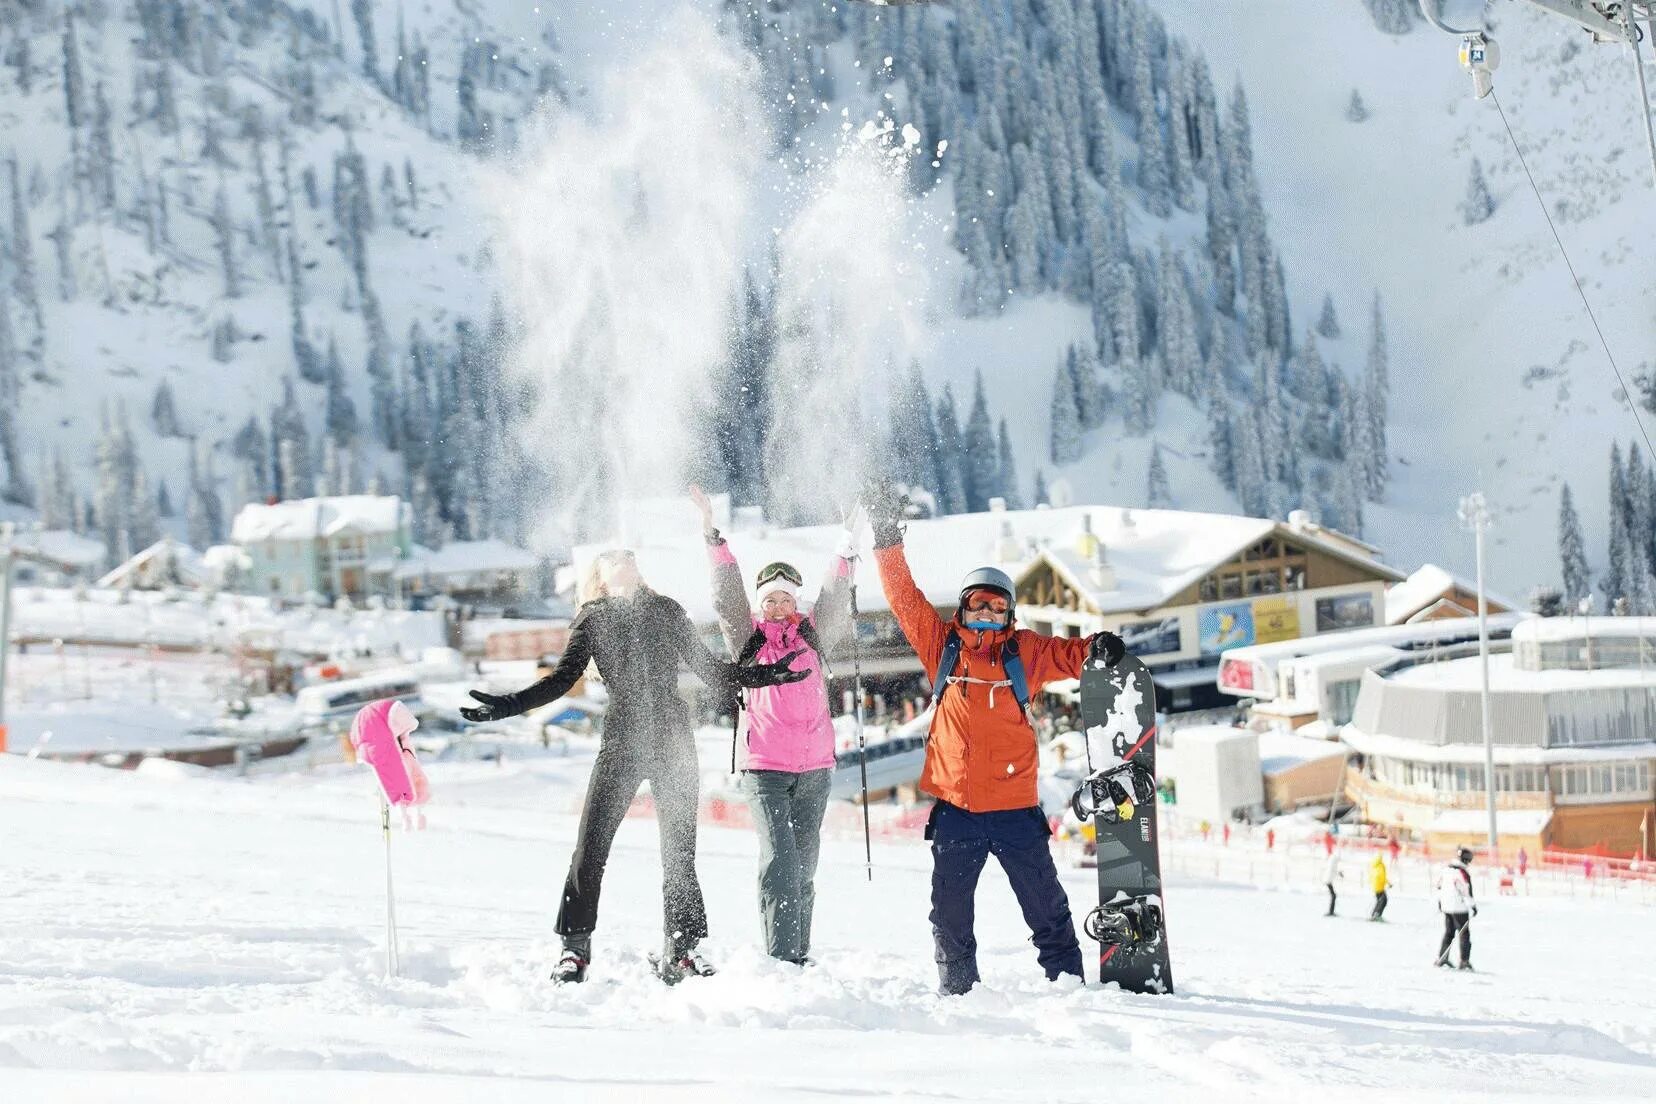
{"type": "Point", "coordinates": [1498, 380]}
{"type": "Point", "coordinates": [174, 935]}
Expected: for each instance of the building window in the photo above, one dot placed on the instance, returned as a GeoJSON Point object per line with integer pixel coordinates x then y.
{"type": "Point", "coordinates": [1294, 574]}
{"type": "Point", "coordinates": [1342, 700]}
{"type": "Point", "coordinates": [1230, 586]}
{"type": "Point", "coordinates": [1209, 589]}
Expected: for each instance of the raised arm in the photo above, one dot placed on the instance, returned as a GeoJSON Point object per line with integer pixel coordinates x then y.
{"type": "Point", "coordinates": [915, 616]}
{"type": "Point", "coordinates": [571, 665]}
{"type": "Point", "coordinates": [730, 600]}
{"type": "Point", "coordinates": [832, 613]}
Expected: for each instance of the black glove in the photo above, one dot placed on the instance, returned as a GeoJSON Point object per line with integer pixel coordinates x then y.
{"type": "Point", "coordinates": [1474, 910]}
{"type": "Point", "coordinates": [884, 507]}
{"type": "Point", "coordinates": [495, 707]}
{"type": "Point", "coordinates": [1106, 646]}
{"type": "Point", "coordinates": [767, 674]}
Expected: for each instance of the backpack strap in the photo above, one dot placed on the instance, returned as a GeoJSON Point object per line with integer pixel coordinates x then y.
{"type": "Point", "coordinates": [808, 636]}
{"type": "Point", "coordinates": [946, 665]}
{"type": "Point", "coordinates": [1013, 663]}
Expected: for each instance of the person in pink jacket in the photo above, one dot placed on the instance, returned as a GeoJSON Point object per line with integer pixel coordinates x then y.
{"type": "Point", "coordinates": [788, 767]}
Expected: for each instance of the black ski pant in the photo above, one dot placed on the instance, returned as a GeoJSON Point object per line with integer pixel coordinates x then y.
{"type": "Point", "coordinates": [1456, 923]}
{"type": "Point", "coordinates": [1330, 899]}
{"type": "Point", "coordinates": [961, 843]}
{"type": "Point", "coordinates": [674, 784]}
{"type": "Point", "coordinates": [1380, 900]}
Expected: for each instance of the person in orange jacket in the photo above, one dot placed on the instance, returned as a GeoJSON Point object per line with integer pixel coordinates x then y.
{"type": "Point", "coordinates": [981, 751]}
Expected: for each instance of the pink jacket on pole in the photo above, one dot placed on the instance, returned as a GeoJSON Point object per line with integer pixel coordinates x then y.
{"type": "Point", "coordinates": [378, 733]}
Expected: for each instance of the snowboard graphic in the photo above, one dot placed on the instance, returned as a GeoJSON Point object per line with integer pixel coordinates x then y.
{"type": "Point", "coordinates": [1118, 711]}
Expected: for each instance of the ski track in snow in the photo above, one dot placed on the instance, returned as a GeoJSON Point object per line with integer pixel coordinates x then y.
{"type": "Point", "coordinates": [217, 938]}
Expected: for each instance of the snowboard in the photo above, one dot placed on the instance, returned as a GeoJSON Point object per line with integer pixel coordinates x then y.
{"type": "Point", "coordinates": [1118, 714]}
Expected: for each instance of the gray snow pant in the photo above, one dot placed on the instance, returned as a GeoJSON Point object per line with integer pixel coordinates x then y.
{"type": "Point", "coordinates": [787, 814]}
{"type": "Point", "coordinates": [616, 775]}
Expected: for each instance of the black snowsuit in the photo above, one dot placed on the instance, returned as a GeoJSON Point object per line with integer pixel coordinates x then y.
{"type": "Point", "coordinates": [637, 644]}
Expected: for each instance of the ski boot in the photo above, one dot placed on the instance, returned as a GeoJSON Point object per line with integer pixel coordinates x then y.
{"type": "Point", "coordinates": [1104, 793]}
{"type": "Point", "coordinates": [577, 956]}
{"type": "Point", "coordinates": [1132, 923]}
{"type": "Point", "coordinates": [673, 966]}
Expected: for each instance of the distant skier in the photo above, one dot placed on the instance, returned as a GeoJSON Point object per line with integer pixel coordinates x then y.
{"type": "Point", "coordinates": [1455, 901]}
{"type": "Point", "coordinates": [1331, 874]}
{"type": "Point", "coordinates": [789, 767]}
{"type": "Point", "coordinates": [1379, 881]}
{"type": "Point", "coordinates": [981, 752]}
{"type": "Point", "coordinates": [637, 638]}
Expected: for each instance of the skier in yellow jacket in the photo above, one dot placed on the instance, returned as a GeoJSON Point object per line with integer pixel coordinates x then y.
{"type": "Point", "coordinates": [1378, 881]}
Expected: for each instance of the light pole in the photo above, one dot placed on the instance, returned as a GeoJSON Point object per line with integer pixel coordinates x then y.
{"type": "Point", "coordinates": [1474, 514]}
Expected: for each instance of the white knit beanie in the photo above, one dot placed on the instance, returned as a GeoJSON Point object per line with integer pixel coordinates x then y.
{"type": "Point", "coordinates": [777, 585]}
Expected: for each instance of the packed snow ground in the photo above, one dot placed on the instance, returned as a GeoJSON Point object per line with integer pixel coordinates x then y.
{"type": "Point", "coordinates": [172, 934]}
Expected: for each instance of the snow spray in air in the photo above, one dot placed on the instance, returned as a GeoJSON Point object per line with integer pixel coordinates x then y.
{"type": "Point", "coordinates": [622, 241]}
{"type": "Point", "coordinates": [626, 232]}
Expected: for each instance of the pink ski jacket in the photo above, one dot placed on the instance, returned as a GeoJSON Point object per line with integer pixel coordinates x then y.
{"type": "Point", "coordinates": [787, 726]}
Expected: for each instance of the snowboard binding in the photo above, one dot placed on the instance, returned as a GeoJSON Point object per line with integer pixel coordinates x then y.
{"type": "Point", "coordinates": [1106, 794]}
{"type": "Point", "coordinates": [1132, 923]}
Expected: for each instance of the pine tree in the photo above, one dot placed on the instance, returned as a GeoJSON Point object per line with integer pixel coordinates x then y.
{"type": "Point", "coordinates": [1572, 551]}
{"type": "Point", "coordinates": [362, 11]}
{"type": "Point", "coordinates": [1639, 490]}
{"type": "Point", "coordinates": [1221, 436]}
{"type": "Point", "coordinates": [1328, 325]}
{"type": "Point", "coordinates": [164, 412]}
{"type": "Point", "coordinates": [1065, 436]}
{"type": "Point", "coordinates": [1395, 17]}
{"type": "Point", "coordinates": [24, 284]}
{"type": "Point", "coordinates": [1159, 493]}
{"type": "Point", "coordinates": [1008, 473]}
{"type": "Point", "coordinates": [1356, 110]}
{"type": "Point", "coordinates": [980, 472]}
{"type": "Point", "coordinates": [1616, 580]}
{"type": "Point", "coordinates": [1379, 391]}
{"type": "Point", "coordinates": [340, 415]}
{"type": "Point", "coordinates": [100, 167]}
{"type": "Point", "coordinates": [1478, 205]}
{"type": "Point", "coordinates": [951, 456]}
{"type": "Point", "coordinates": [224, 234]}
{"type": "Point", "coordinates": [1042, 497]}
{"type": "Point", "coordinates": [1153, 176]}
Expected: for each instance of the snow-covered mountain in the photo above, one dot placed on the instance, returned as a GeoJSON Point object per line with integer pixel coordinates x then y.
{"type": "Point", "coordinates": [405, 154]}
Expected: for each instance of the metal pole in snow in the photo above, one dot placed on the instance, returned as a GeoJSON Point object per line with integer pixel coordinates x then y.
{"type": "Point", "coordinates": [6, 558]}
{"type": "Point", "coordinates": [862, 743]}
{"type": "Point", "coordinates": [1476, 514]}
{"type": "Point", "coordinates": [392, 962]}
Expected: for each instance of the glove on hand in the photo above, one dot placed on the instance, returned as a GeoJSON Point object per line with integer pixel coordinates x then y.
{"type": "Point", "coordinates": [885, 512]}
{"type": "Point", "coordinates": [1106, 647]}
{"type": "Point", "coordinates": [768, 674]}
{"type": "Point", "coordinates": [495, 707]}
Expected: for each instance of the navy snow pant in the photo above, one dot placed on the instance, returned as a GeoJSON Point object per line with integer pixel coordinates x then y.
{"type": "Point", "coordinates": [961, 843]}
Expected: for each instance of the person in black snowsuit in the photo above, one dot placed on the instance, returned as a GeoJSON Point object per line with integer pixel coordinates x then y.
{"type": "Point", "coordinates": [637, 638]}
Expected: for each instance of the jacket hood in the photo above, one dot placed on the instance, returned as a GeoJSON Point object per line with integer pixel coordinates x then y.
{"type": "Point", "coordinates": [977, 639]}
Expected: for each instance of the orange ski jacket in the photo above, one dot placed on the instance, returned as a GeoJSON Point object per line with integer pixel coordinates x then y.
{"type": "Point", "coordinates": [981, 752]}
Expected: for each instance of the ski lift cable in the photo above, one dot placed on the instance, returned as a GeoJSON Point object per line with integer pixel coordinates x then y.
{"type": "Point", "coordinates": [1627, 395]}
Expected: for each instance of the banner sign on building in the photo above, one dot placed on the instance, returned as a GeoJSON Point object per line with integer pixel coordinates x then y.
{"type": "Point", "coordinates": [1151, 638]}
{"type": "Point", "coordinates": [1345, 611]}
{"type": "Point", "coordinates": [1275, 619]}
{"type": "Point", "coordinates": [1226, 626]}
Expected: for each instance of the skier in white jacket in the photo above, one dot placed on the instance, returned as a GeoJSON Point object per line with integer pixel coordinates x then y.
{"type": "Point", "coordinates": [1331, 874]}
{"type": "Point", "coordinates": [1455, 901]}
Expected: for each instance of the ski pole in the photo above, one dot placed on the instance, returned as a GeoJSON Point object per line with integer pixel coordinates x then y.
{"type": "Point", "coordinates": [862, 744]}
{"type": "Point", "coordinates": [391, 958]}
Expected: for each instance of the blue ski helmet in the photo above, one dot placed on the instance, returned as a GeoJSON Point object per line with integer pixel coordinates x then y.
{"type": "Point", "coordinates": [991, 578]}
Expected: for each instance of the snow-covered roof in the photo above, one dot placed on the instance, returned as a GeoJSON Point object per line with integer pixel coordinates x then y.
{"type": "Point", "coordinates": [1352, 640]}
{"type": "Point", "coordinates": [58, 546]}
{"type": "Point", "coordinates": [1280, 751]}
{"type": "Point", "coordinates": [310, 518]}
{"type": "Point", "coordinates": [1575, 628]}
{"type": "Point", "coordinates": [466, 558]}
{"type": "Point", "coordinates": [186, 561]}
{"type": "Point", "coordinates": [1428, 584]}
{"type": "Point", "coordinates": [1154, 554]}
{"type": "Point", "coordinates": [1396, 747]}
{"type": "Point", "coordinates": [1504, 677]}
{"type": "Point", "coordinates": [1210, 735]}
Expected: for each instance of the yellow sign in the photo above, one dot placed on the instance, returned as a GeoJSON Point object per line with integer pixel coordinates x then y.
{"type": "Point", "coordinates": [1275, 619]}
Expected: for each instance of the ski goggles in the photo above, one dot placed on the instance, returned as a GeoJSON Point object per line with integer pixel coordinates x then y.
{"type": "Point", "coordinates": [980, 601]}
{"type": "Point", "coordinates": [616, 556]}
{"type": "Point", "coordinates": [780, 570]}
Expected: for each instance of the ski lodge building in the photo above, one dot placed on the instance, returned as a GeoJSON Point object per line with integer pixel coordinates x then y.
{"type": "Point", "coordinates": [1180, 587]}
{"type": "Point", "coordinates": [342, 546]}
{"type": "Point", "coordinates": [1573, 727]}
